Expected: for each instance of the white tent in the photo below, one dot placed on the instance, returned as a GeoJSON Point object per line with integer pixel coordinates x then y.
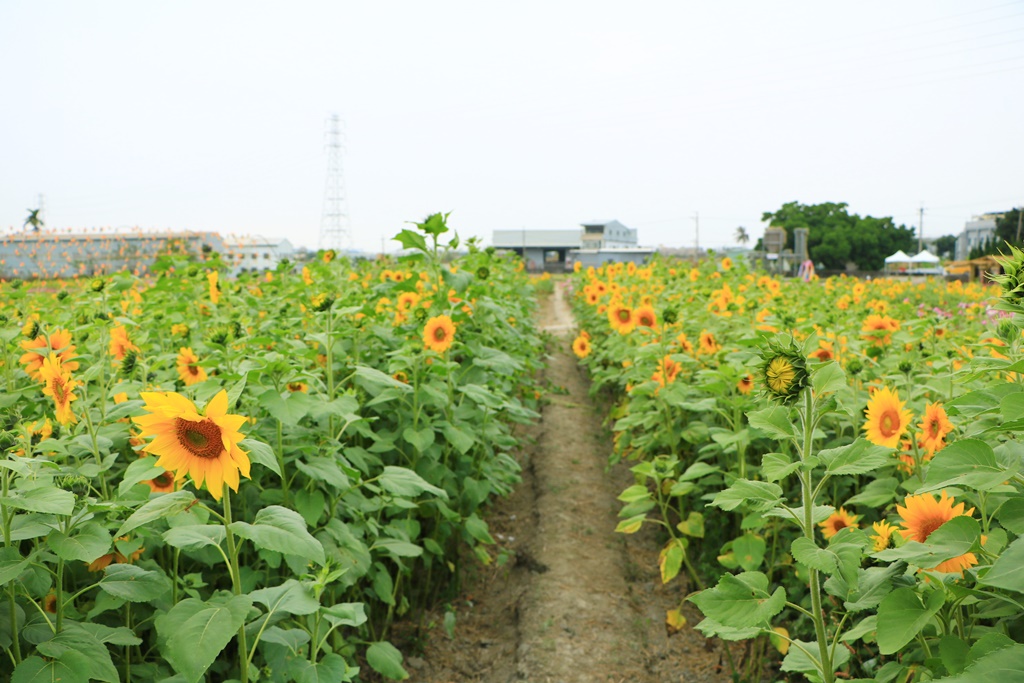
{"type": "Point", "coordinates": [924, 257]}
{"type": "Point", "coordinates": [899, 257]}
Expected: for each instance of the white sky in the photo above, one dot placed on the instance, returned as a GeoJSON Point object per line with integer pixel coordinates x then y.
{"type": "Point", "coordinates": [211, 115]}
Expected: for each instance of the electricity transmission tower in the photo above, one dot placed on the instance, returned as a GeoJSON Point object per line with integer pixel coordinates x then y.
{"type": "Point", "coordinates": [334, 225]}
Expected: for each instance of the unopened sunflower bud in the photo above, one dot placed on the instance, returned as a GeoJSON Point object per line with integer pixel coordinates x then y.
{"type": "Point", "coordinates": [874, 352]}
{"type": "Point", "coordinates": [31, 329]}
{"type": "Point", "coordinates": [97, 284]}
{"type": "Point", "coordinates": [62, 294]}
{"type": "Point", "coordinates": [1007, 331]}
{"type": "Point", "coordinates": [483, 272]}
{"type": "Point", "coordinates": [321, 302]}
{"type": "Point", "coordinates": [854, 366]}
{"type": "Point", "coordinates": [76, 484]}
{"type": "Point", "coordinates": [905, 367]}
{"type": "Point", "coordinates": [783, 371]}
{"type": "Point", "coordinates": [670, 315]}
{"type": "Point", "coordinates": [1012, 278]}
{"type": "Point", "coordinates": [128, 363]}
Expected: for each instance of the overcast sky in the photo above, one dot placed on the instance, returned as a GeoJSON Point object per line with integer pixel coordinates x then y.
{"type": "Point", "coordinates": [211, 115]}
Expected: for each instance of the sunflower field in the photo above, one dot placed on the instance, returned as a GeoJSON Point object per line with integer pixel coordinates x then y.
{"type": "Point", "coordinates": [252, 479]}
{"type": "Point", "coordinates": [834, 465]}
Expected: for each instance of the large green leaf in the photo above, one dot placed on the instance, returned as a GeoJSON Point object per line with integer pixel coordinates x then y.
{"type": "Point", "coordinates": [88, 543]}
{"type": "Point", "coordinates": [773, 422]}
{"type": "Point", "coordinates": [1005, 664]}
{"type": "Point", "coordinates": [196, 632]}
{"type": "Point", "coordinates": [756, 496]}
{"type": "Point", "coordinates": [807, 552]}
{"type": "Point", "coordinates": [162, 505]}
{"type": "Point", "coordinates": [952, 539]}
{"type": "Point", "coordinates": [741, 601]}
{"type": "Point", "coordinates": [345, 614]}
{"type": "Point", "coordinates": [194, 537]}
{"type": "Point", "coordinates": [262, 454]}
{"type": "Point", "coordinates": [386, 660]}
{"type": "Point", "coordinates": [828, 377]}
{"type": "Point", "coordinates": [777, 466]}
{"type": "Point", "coordinates": [37, 670]}
{"type": "Point", "coordinates": [401, 481]}
{"type": "Point", "coordinates": [330, 669]}
{"type": "Point", "coordinates": [877, 494]}
{"type": "Point", "coordinates": [290, 409]}
{"type": "Point", "coordinates": [966, 463]}
{"type": "Point", "coordinates": [83, 651]}
{"type": "Point", "coordinates": [860, 457]}
{"type": "Point", "coordinates": [12, 564]}
{"type": "Point", "coordinates": [48, 499]}
{"type": "Point", "coordinates": [1008, 570]}
{"type": "Point", "coordinates": [281, 530]}
{"type": "Point", "coordinates": [133, 583]}
{"type": "Point", "coordinates": [797, 658]}
{"type": "Point", "coordinates": [139, 471]}
{"type": "Point", "coordinates": [290, 597]}
{"type": "Point", "coordinates": [902, 615]}
{"type": "Point", "coordinates": [325, 470]}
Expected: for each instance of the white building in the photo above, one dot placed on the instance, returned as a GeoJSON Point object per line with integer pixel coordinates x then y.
{"type": "Point", "coordinates": [255, 253]}
{"type": "Point", "coordinates": [607, 234]}
{"type": "Point", "coordinates": [550, 249]}
{"type": "Point", "coordinates": [976, 232]}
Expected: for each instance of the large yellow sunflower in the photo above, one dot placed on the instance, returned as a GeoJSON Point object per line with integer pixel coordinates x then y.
{"type": "Point", "coordinates": [37, 349]}
{"type": "Point", "coordinates": [439, 333]}
{"type": "Point", "coordinates": [59, 385]}
{"type": "Point", "coordinates": [620, 316]}
{"type": "Point", "coordinates": [935, 425]}
{"type": "Point", "coordinates": [188, 367]}
{"type": "Point", "coordinates": [205, 447]}
{"type": "Point", "coordinates": [645, 316]}
{"type": "Point", "coordinates": [581, 346]}
{"type": "Point", "coordinates": [120, 344]}
{"type": "Point", "coordinates": [878, 329]}
{"type": "Point", "coordinates": [923, 514]}
{"type": "Point", "coordinates": [837, 521]}
{"type": "Point", "coordinates": [886, 418]}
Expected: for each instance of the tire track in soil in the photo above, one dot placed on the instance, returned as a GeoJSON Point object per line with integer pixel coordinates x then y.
{"type": "Point", "coordinates": [578, 603]}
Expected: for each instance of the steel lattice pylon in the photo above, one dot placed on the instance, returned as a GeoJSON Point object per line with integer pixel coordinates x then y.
{"type": "Point", "coordinates": [334, 225]}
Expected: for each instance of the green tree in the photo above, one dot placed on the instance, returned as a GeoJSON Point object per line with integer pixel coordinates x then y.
{"type": "Point", "coordinates": [836, 236]}
{"type": "Point", "coordinates": [741, 235]}
{"type": "Point", "coordinates": [945, 245]}
{"type": "Point", "coordinates": [33, 219]}
{"type": "Point", "coordinates": [1007, 226]}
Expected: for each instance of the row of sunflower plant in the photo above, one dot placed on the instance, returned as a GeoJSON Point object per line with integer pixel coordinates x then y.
{"type": "Point", "coordinates": [857, 444]}
{"type": "Point", "coordinates": [248, 479]}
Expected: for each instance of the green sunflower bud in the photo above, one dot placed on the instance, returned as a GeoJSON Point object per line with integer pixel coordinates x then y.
{"type": "Point", "coordinates": [670, 315]}
{"type": "Point", "coordinates": [98, 284]}
{"type": "Point", "coordinates": [128, 363]}
{"type": "Point", "coordinates": [15, 284]}
{"type": "Point", "coordinates": [62, 294]}
{"type": "Point", "coordinates": [854, 366]}
{"type": "Point", "coordinates": [1012, 278]}
{"type": "Point", "coordinates": [874, 352]}
{"type": "Point", "coordinates": [193, 270]}
{"type": "Point", "coordinates": [905, 367]}
{"type": "Point", "coordinates": [1007, 331]}
{"type": "Point", "coordinates": [483, 272]}
{"type": "Point", "coordinates": [783, 370]}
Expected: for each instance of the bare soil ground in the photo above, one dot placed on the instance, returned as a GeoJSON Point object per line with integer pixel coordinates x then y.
{"type": "Point", "coordinates": [577, 602]}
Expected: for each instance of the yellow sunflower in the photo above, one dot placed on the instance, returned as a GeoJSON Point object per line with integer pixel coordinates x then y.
{"type": "Point", "coordinates": [645, 316]}
{"type": "Point", "coordinates": [882, 536]}
{"type": "Point", "coordinates": [581, 346]}
{"type": "Point", "coordinates": [37, 349]}
{"type": "Point", "coordinates": [212, 278]}
{"type": "Point", "coordinates": [120, 344]}
{"type": "Point", "coordinates": [620, 316]}
{"type": "Point", "coordinates": [935, 425]}
{"type": "Point", "coordinates": [746, 384]}
{"type": "Point", "coordinates": [439, 333]}
{"type": "Point", "coordinates": [837, 521]}
{"type": "Point", "coordinates": [59, 385]}
{"type": "Point", "coordinates": [886, 418]}
{"type": "Point", "coordinates": [708, 344]}
{"type": "Point", "coordinates": [188, 367]}
{"type": "Point", "coordinates": [298, 387]}
{"type": "Point", "coordinates": [923, 514]}
{"type": "Point", "coordinates": [204, 447]}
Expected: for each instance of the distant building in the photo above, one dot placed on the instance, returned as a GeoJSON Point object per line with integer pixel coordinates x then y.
{"type": "Point", "coordinates": [55, 254]}
{"type": "Point", "coordinates": [550, 249]}
{"type": "Point", "coordinates": [599, 257]}
{"type": "Point", "coordinates": [977, 231]}
{"type": "Point", "coordinates": [605, 234]}
{"type": "Point", "coordinates": [255, 253]}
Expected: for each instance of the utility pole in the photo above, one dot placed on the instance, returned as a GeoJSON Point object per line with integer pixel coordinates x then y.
{"type": "Point", "coordinates": [1020, 213]}
{"type": "Point", "coordinates": [696, 236]}
{"type": "Point", "coordinates": [920, 228]}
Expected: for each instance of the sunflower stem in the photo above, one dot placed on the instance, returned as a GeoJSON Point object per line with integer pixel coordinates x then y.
{"type": "Point", "coordinates": [236, 584]}
{"type": "Point", "coordinates": [806, 483]}
{"type": "Point", "coordinates": [330, 366]}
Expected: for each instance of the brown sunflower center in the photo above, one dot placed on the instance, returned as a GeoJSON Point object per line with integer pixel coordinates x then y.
{"type": "Point", "coordinates": [201, 439]}
{"type": "Point", "coordinates": [927, 526]}
{"type": "Point", "coordinates": [164, 480]}
{"type": "Point", "coordinates": [440, 334]}
{"type": "Point", "coordinates": [193, 369]}
{"type": "Point", "coordinates": [889, 423]}
{"type": "Point", "coordinates": [57, 385]}
{"type": "Point", "coordinates": [646, 321]}
{"type": "Point", "coordinates": [933, 428]}
{"type": "Point", "coordinates": [623, 315]}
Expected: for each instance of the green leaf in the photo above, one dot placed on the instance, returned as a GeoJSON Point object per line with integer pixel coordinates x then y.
{"type": "Point", "coordinates": [139, 471]}
{"type": "Point", "coordinates": [401, 481]}
{"type": "Point", "coordinates": [345, 614]}
{"type": "Point", "coordinates": [756, 496]}
{"type": "Point", "coordinates": [194, 537]}
{"type": "Point", "coordinates": [386, 660]}
{"type": "Point", "coordinates": [162, 506]}
{"type": "Point", "coordinates": [777, 466]}
{"type": "Point", "coordinates": [291, 638]}
{"type": "Point", "coordinates": [878, 493]}
{"type": "Point", "coordinates": [90, 542]}
{"type": "Point", "coordinates": [398, 547]}
{"type": "Point", "coordinates": [290, 597]}
{"type": "Point", "coordinates": [966, 463]}
{"type": "Point", "coordinates": [1004, 664]}
{"type": "Point", "coordinates": [952, 539]}
{"type": "Point", "coordinates": [693, 525]}
{"type": "Point", "coordinates": [797, 660]}
{"type": "Point", "coordinates": [698, 470]}
{"type": "Point", "coordinates": [1011, 515]}
{"type": "Point", "coordinates": [281, 530]}
{"type": "Point", "coordinates": [860, 457]}
{"type": "Point", "coordinates": [196, 632]}
{"type": "Point", "coordinates": [1008, 570]}
{"type": "Point", "coordinates": [460, 440]}
{"type": "Point", "coordinates": [741, 601]}
{"type": "Point", "coordinates": [631, 525]}
{"type": "Point", "coordinates": [133, 583]}
{"type": "Point", "coordinates": [477, 528]}
{"type": "Point", "coordinates": [773, 422]}
{"type": "Point", "coordinates": [806, 551]}
{"type": "Point", "coordinates": [375, 381]}
{"type": "Point", "coordinates": [36, 670]}
{"type": "Point", "coordinates": [82, 650]}
{"type": "Point", "coordinates": [262, 454]}
{"type": "Point", "coordinates": [331, 669]}
{"type": "Point", "coordinates": [873, 584]}
{"type": "Point", "coordinates": [953, 652]}
{"type": "Point", "coordinates": [310, 504]}
{"type": "Point", "coordinates": [325, 470]}
{"type": "Point", "coordinates": [289, 410]}
{"type": "Point", "coordinates": [670, 560]}
{"type": "Point", "coordinates": [902, 615]}
{"type": "Point", "coordinates": [421, 438]}
{"type": "Point", "coordinates": [12, 564]}
{"type": "Point", "coordinates": [411, 240]}
{"type": "Point", "coordinates": [48, 499]}
{"type": "Point", "coordinates": [749, 551]}
{"type": "Point", "coordinates": [828, 377]}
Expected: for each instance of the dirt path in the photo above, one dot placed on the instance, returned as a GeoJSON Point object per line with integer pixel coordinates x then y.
{"type": "Point", "coordinates": [577, 603]}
